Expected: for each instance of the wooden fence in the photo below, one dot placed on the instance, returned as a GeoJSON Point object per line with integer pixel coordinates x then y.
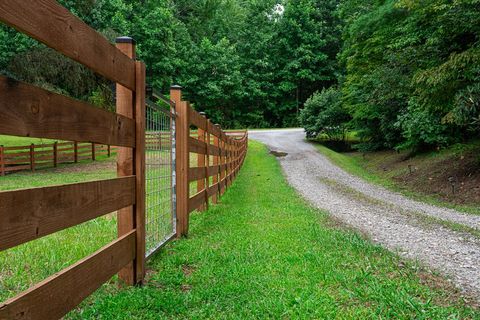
{"type": "Point", "coordinates": [29, 111]}
{"type": "Point", "coordinates": [219, 158]}
{"type": "Point", "coordinates": [32, 157]}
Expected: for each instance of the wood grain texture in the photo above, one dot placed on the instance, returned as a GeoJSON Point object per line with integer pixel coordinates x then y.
{"type": "Point", "coordinates": [28, 111]}
{"type": "Point", "coordinates": [58, 294]}
{"type": "Point", "coordinates": [139, 153]}
{"type": "Point", "coordinates": [197, 119]}
{"type": "Point", "coordinates": [197, 173]}
{"type": "Point", "coordinates": [125, 216]}
{"type": "Point", "coordinates": [182, 133]}
{"type": "Point", "coordinates": [52, 24]}
{"type": "Point", "coordinates": [196, 201]}
{"type": "Point", "coordinates": [214, 130]}
{"type": "Point", "coordinates": [201, 161]}
{"type": "Point", "coordinates": [207, 171]}
{"type": "Point", "coordinates": [33, 213]}
{"type": "Point", "coordinates": [216, 166]}
{"type": "Point", "coordinates": [2, 161]}
{"type": "Point", "coordinates": [197, 146]}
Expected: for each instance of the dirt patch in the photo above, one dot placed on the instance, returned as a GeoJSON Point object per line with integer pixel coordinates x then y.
{"type": "Point", "coordinates": [188, 270]}
{"type": "Point", "coordinates": [453, 178]}
{"type": "Point", "coordinates": [185, 287]}
{"type": "Point", "coordinates": [451, 293]}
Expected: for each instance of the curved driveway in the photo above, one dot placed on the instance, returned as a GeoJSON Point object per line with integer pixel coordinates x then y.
{"type": "Point", "coordinates": [413, 229]}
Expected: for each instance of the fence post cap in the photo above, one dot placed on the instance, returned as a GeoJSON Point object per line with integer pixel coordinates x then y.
{"type": "Point", "coordinates": [202, 113]}
{"type": "Point", "coordinates": [175, 87]}
{"type": "Point", "coordinates": [125, 40]}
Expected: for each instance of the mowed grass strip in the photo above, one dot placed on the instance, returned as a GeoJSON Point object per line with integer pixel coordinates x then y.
{"type": "Point", "coordinates": [357, 166]}
{"type": "Point", "coordinates": [264, 253]}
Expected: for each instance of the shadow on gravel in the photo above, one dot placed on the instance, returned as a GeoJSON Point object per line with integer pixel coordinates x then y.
{"type": "Point", "coordinates": [278, 153]}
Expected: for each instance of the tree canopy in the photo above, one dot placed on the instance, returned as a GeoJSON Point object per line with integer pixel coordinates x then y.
{"type": "Point", "coordinates": [403, 73]}
{"type": "Point", "coordinates": [243, 62]}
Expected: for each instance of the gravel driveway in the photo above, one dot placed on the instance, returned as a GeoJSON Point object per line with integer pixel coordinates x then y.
{"type": "Point", "coordinates": [413, 229]}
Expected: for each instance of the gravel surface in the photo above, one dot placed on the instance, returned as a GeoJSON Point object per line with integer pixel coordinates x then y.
{"type": "Point", "coordinates": [413, 229]}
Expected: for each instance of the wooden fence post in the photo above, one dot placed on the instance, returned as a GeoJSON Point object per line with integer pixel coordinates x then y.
{"type": "Point", "coordinates": [229, 164]}
{"type": "Point", "coordinates": [75, 151]}
{"type": "Point", "coordinates": [109, 152]}
{"type": "Point", "coordinates": [125, 107]}
{"type": "Point", "coordinates": [2, 161]}
{"type": "Point", "coordinates": [55, 154]}
{"type": "Point", "coordinates": [222, 161]}
{"type": "Point", "coordinates": [201, 163]}
{"type": "Point", "coordinates": [182, 134]}
{"type": "Point", "coordinates": [216, 163]}
{"type": "Point", "coordinates": [140, 205]}
{"type": "Point", "coordinates": [32, 157]}
{"type": "Point", "coordinates": [93, 151]}
{"type": "Point", "coordinates": [207, 162]}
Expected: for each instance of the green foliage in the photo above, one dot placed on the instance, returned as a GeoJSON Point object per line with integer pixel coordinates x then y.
{"type": "Point", "coordinates": [412, 70]}
{"type": "Point", "coordinates": [214, 80]}
{"type": "Point", "coordinates": [408, 71]}
{"type": "Point", "coordinates": [324, 114]}
{"type": "Point", "coordinates": [240, 61]}
{"type": "Point", "coordinates": [422, 128]}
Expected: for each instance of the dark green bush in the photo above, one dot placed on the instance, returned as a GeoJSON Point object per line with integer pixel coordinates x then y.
{"type": "Point", "coordinates": [324, 114]}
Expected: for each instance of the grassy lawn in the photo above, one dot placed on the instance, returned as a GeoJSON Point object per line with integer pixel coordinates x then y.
{"type": "Point", "coordinates": [27, 264]}
{"type": "Point", "coordinates": [12, 141]}
{"type": "Point", "coordinates": [367, 170]}
{"type": "Point", "coordinates": [264, 253]}
{"type": "Point", "coordinates": [85, 170]}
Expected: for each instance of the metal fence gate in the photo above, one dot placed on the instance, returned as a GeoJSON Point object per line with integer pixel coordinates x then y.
{"type": "Point", "coordinates": [159, 171]}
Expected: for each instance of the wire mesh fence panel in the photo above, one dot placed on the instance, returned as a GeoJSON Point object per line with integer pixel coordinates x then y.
{"type": "Point", "coordinates": [160, 175]}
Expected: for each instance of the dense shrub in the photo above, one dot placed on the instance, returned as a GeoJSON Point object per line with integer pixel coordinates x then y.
{"type": "Point", "coordinates": [324, 114]}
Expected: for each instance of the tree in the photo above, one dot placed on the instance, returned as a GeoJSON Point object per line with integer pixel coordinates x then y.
{"type": "Point", "coordinates": [410, 65]}
{"type": "Point", "coordinates": [324, 114]}
{"type": "Point", "coordinates": [214, 82]}
{"type": "Point", "coordinates": [306, 44]}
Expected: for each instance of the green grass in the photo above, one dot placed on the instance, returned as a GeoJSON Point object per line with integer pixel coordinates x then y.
{"type": "Point", "coordinates": [27, 264]}
{"type": "Point", "coordinates": [57, 176]}
{"type": "Point", "coordinates": [355, 165]}
{"type": "Point", "coordinates": [13, 141]}
{"type": "Point", "coordinates": [352, 165]}
{"type": "Point", "coordinates": [265, 253]}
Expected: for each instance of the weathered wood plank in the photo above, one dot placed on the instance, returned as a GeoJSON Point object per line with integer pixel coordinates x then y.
{"type": "Point", "coordinates": [33, 213]}
{"type": "Point", "coordinates": [214, 130]}
{"type": "Point", "coordinates": [197, 146]}
{"type": "Point", "coordinates": [125, 107]}
{"type": "Point", "coordinates": [197, 119]}
{"type": "Point", "coordinates": [52, 24]}
{"type": "Point", "coordinates": [201, 163]}
{"type": "Point", "coordinates": [196, 201]}
{"type": "Point", "coordinates": [197, 173]}
{"type": "Point", "coordinates": [183, 159]}
{"type": "Point", "coordinates": [58, 294]}
{"type": "Point", "coordinates": [28, 111]}
{"type": "Point", "coordinates": [213, 189]}
{"type": "Point", "coordinates": [140, 204]}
